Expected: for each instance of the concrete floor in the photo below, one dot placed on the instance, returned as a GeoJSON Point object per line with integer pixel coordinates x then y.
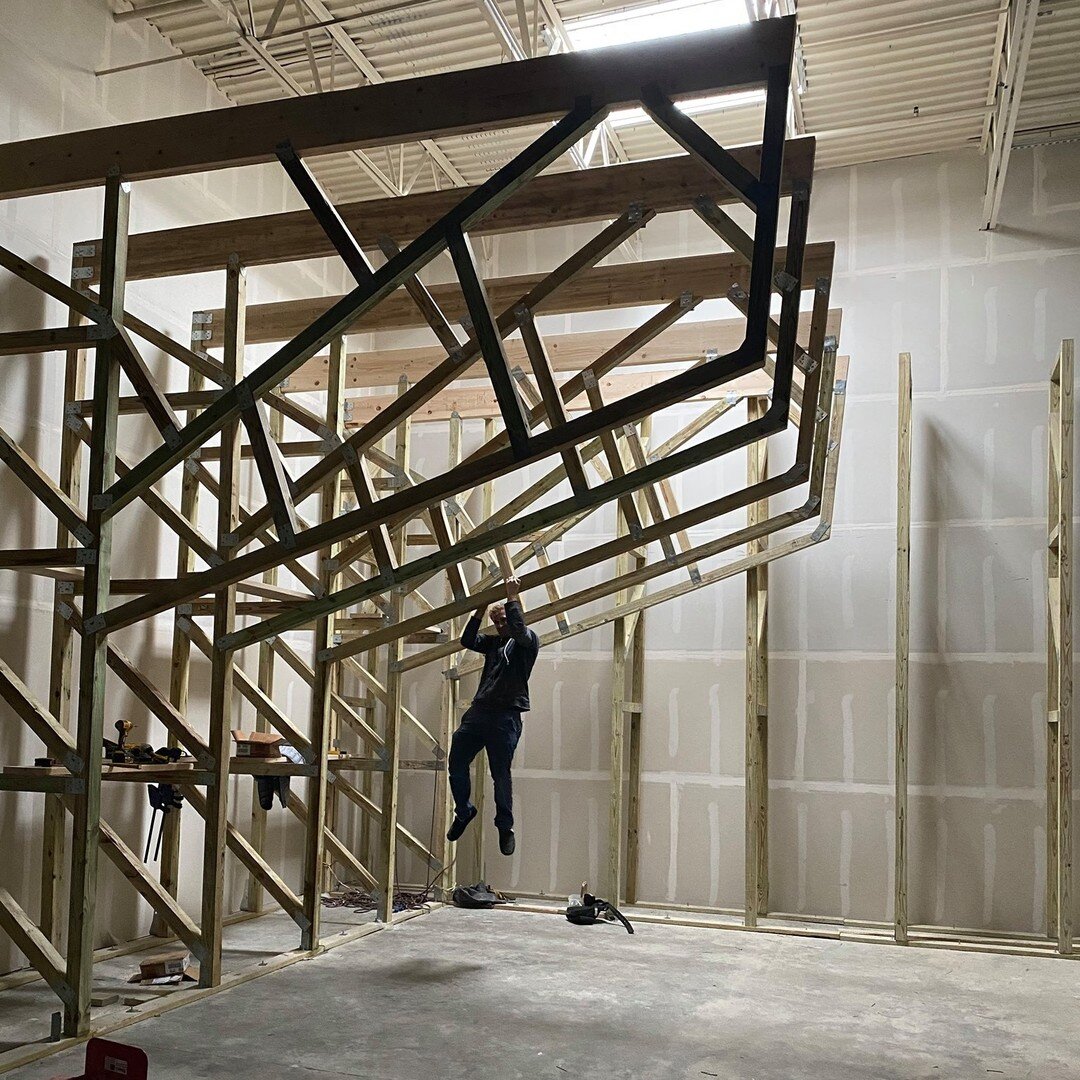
{"type": "Point", "coordinates": [505, 995]}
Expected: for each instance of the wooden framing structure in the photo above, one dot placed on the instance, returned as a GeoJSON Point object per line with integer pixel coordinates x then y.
{"type": "Point", "coordinates": [597, 419]}
{"type": "Point", "coordinates": [371, 607]}
{"type": "Point", "coordinates": [1059, 653]}
{"type": "Point", "coordinates": [373, 611]}
{"type": "Point", "coordinates": [903, 622]}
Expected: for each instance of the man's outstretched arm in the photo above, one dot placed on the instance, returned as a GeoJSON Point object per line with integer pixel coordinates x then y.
{"type": "Point", "coordinates": [471, 638]}
{"type": "Point", "coordinates": [515, 617]}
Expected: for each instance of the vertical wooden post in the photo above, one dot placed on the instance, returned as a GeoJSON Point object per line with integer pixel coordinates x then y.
{"type": "Point", "coordinates": [223, 663]}
{"type": "Point", "coordinates": [478, 829]}
{"type": "Point", "coordinates": [903, 618]}
{"type": "Point", "coordinates": [617, 809]}
{"type": "Point", "coordinates": [180, 668]}
{"type": "Point", "coordinates": [633, 756]}
{"type": "Point", "coordinates": [367, 777]}
{"type": "Point", "coordinates": [635, 653]}
{"type": "Point", "coordinates": [69, 481]}
{"type": "Point", "coordinates": [92, 654]}
{"type": "Point", "coordinates": [390, 775]}
{"type": "Point", "coordinates": [449, 701]}
{"type": "Point", "coordinates": [321, 687]}
{"type": "Point", "coordinates": [1059, 654]}
{"type": "Point", "coordinates": [617, 822]}
{"type": "Point", "coordinates": [253, 891]}
{"type": "Point", "coordinates": [757, 689]}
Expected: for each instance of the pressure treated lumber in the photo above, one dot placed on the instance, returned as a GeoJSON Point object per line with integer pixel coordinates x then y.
{"type": "Point", "coordinates": [682, 343]}
{"type": "Point", "coordinates": [392, 732]}
{"type": "Point", "coordinates": [87, 827]}
{"type": "Point", "coordinates": [573, 198]}
{"type": "Point", "coordinates": [54, 818]}
{"type": "Point", "coordinates": [33, 944]}
{"type": "Point", "coordinates": [533, 91]}
{"type": "Point", "coordinates": [756, 878]}
{"type": "Point", "coordinates": [618, 285]}
{"type": "Point", "coordinates": [180, 661]}
{"type": "Point", "coordinates": [1059, 652]}
{"type": "Point", "coordinates": [58, 741]}
{"type": "Point", "coordinates": [322, 676]}
{"type": "Point", "coordinates": [223, 665]}
{"type": "Point", "coordinates": [903, 620]}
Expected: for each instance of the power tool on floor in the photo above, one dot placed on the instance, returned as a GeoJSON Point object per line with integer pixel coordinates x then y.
{"type": "Point", "coordinates": [586, 909]}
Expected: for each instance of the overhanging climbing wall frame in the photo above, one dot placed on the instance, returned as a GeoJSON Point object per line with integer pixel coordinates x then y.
{"type": "Point", "coordinates": [594, 425]}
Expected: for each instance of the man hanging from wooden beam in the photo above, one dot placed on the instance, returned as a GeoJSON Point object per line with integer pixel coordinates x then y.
{"type": "Point", "coordinates": [493, 720]}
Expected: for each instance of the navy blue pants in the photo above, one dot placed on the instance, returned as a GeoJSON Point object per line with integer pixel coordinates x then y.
{"type": "Point", "coordinates": [497, 732]}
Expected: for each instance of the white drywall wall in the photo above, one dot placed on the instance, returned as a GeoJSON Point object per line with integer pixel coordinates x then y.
{"type": "Point", "coordinates": [982, 316]}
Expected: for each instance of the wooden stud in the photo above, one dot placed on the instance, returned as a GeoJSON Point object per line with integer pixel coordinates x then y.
{"type": "Point", "coordinates": [617, 807]}
{"type": "Point", "coordinates": [33, 944]}
{"type": "Point", "coordinates": [223, 662]}
{"type": "Point", "coordinates": [479, 829]}
{"type": "Point", "coordinates": [570, 352]}
{"type": "Point", "coordinates": [633, 760]}
{"type": "Point", "coordinates": [449, 701]}
{"type": "Point", "coordinates": [60, 668]}
{"type": "Point", "coordinates": [668, 184]}
{"type": "Point", "coordinates": [903, 619]}
{"type": "Point", "coordinates": [180, 665]}
{"type": "Point", "coordinates": [757, 701]}
{"type": "Point", "coordinates": [253, 892]}
{"type": "Point", "coordinates": [390, 778]}
{"type": "Point", "coordinates": [87, 827]}
{"type": "Point", "coordinates": [591, 287]}
{"type": "Point", "coordinates": [337, 232]}
{"type": "Point", "coordinates": [1059, 653]}
{"type": "Point", "coordinates": [323, 671]}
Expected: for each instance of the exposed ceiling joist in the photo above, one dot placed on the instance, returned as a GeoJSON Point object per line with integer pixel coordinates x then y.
{"type": "Point", "coordinates": [263, 57]}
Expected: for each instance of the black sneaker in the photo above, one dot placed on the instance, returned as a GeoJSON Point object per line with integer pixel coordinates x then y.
{"type": "Point", "coordinates": [507, 843]}
{"type": "Point", "coordinates": [460, 824]}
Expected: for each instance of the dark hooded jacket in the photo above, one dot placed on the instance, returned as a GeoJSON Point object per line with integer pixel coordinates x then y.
{"type": "Point", "coordinates": [508, 661]}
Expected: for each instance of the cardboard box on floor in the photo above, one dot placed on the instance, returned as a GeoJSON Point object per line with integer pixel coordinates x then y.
{"type": "Point", "coordinates": [165, 968]}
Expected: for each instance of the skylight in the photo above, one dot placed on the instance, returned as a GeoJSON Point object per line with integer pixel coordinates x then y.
{"type": "Point", "coordinates": [692, 106]}
{"type": "Point", "coordinates": [651, 21]}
